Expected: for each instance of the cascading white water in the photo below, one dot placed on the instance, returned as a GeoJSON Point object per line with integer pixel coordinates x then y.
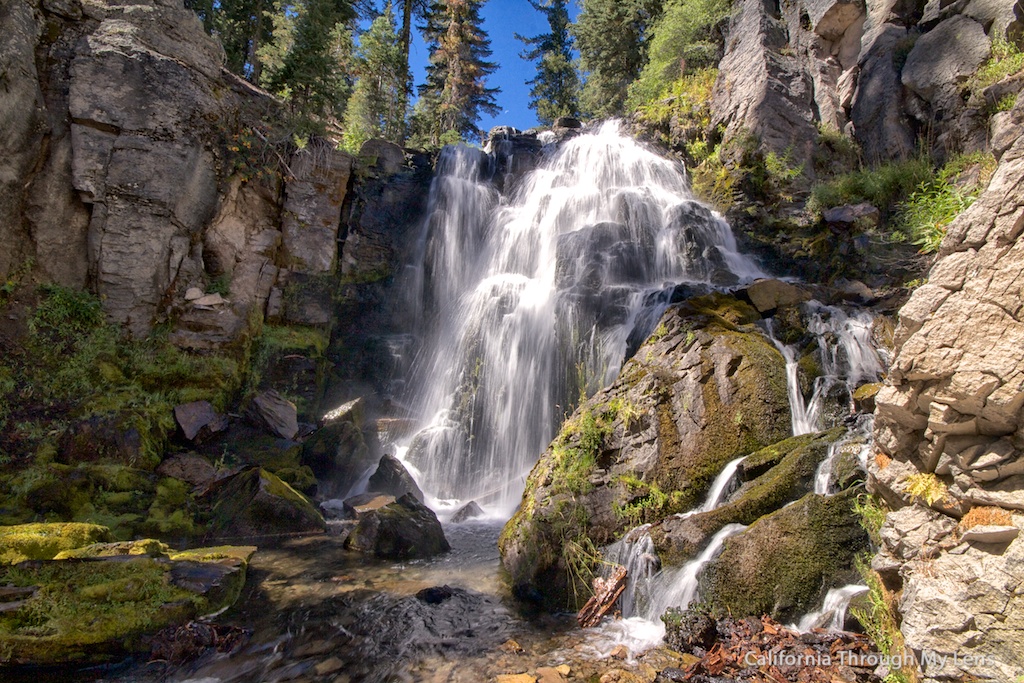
{"type": "Point", "coordinates": [847, 358]}
{"type": "Point", "coordinates": [526, 301]}
{"type": "Point", "coordinates": [858, 437]}
{"type": "Point", "coordinates": [832, 614]}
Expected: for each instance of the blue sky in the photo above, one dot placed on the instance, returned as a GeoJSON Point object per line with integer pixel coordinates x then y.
{"type": "Point", "coordinates": [502, 18]}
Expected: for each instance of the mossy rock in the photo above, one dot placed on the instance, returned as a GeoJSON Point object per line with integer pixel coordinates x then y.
{"type": "Point", "coordinates": [254, 502]}
{"type": "Point", "coordinates": [146, 546]}
{"type": "Point", "coordinates": [404, 530]}
{"type": "Point", "coordinates": [787, 470]}
{"type": "Point", "coordinates": [44, 541]}
{"type": "Point", "coordinates": [88, 611]}
{"type": "Point", "coordinates": [785, 562]}
{"type": "Point", "coordinates": [706, 388]}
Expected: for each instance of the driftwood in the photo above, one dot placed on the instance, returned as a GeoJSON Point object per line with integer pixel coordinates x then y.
{"type": "Point", "coordinates": [606, 594]}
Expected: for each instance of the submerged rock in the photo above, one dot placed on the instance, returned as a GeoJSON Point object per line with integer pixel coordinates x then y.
{"type": "Point", "coordinates": [468, 511]}
{"type": "Point", "coordinates": [403, 530]}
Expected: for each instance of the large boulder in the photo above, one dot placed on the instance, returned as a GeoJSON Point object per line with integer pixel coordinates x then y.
{"type": "Point", "coordinates": [783, 564]}
{"type": "Point", "coordinates": [338, 452]}
{"type": "Point", "coordinates": [45, 541]}
{"type": "Point", "coordinates": [404, 530]}
{"type": "Point", "coordinates": [254, 502]}
{"type": "Point", "coordinates": [943, 59]}
{"type": "Point", "coordinates": [393, 479]}
{"type": "Point", "coordinates": [706, 388]}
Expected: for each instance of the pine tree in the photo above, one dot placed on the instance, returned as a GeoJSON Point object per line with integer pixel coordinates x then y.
{"type": "Point", "coordinates": [611, 36]}
{"type": "Point", "coordinates": [242, 26]}
{"type": "Point", "coordinates": [556, 89]}
{"type": "Point", "coordinates": [313, 73]}
{"type": "Point", "coordinates": [378, 103]}
{"type": "Point", "coordinates": [455, 93]}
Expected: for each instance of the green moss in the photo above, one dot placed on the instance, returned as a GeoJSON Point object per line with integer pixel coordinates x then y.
{"type": "Point", "coordinates": [170, 514]}
{"type": "Point", "coordinates": [782, 564]}
{"type": "Point", "coordinates": [44, 541]}
{"type": "Point", "coordinates": [646, 502]}
{"type": "Point", "coordinates": [146, 546]}
{"type": "Point", "coordinates": [231, 553]}
{"type": "Point", "coordinates": [576, 449]}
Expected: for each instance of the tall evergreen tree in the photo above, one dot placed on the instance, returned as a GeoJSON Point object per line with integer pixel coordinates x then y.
{"type": "Point", "coordinates": [611, 36]}
{"type": "Point", "coordinates": [242, 26]}
{"type": "Point", "coordinates": [378, 103]}
{"type": "Point", "coordinates": [455, 93]}
{"type": "Point", "coordinates": [313, 72]}
{"type": "Point", "coordinates": [556, 88]}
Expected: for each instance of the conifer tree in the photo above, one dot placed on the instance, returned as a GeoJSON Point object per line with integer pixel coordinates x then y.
{"type": "Point", "coordinates": [455, 93]}
{"type": "Point", "coordinates": [313, 73]}
{"type": "Point", "coordinates": [611, 36]}
{"type": "Point", "coordinates": [556, 88]}
{"type": "Point", "coordinates": [378, 103]}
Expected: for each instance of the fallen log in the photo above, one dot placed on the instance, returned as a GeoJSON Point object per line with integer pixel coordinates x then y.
{"type": "Point", "coordinates": [606, 594]}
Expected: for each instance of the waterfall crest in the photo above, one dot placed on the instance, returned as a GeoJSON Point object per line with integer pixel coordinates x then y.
{"type": "Point", "coordinates": [524, 302]}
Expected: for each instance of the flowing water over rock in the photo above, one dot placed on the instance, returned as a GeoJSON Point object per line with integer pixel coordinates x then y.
{"type": "Point", "coordinates": [527, 301]}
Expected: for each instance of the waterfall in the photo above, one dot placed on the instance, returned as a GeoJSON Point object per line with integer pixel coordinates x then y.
{"type": "Point", "coordinates": [523, 302]}
{"type": "Point", "coordinates": [833, 609]}
{"type": "Point", "coordinates": [858, 437]}
{"type": "Point", "coordinates": [847, 359]}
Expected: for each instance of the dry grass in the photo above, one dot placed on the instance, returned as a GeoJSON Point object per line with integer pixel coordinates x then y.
{"type": "Point", "coordinates": [882, 460]}
{"type": "Point", "coordinates": [986, 516]}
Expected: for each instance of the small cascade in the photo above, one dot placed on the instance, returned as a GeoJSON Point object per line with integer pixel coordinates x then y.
{"type": "Point", "coordinates": [832, 615]}
{"type": "Point", "coordinates": [521, 302]}
{"type": "Point", "coordinates": [721, 486]}
{"type": "Point", "coordinates": [857, 437]}
{"type": "Point", "coordinates": [635, 551]}
{"type": "Point", "coordinates": [846, 356]}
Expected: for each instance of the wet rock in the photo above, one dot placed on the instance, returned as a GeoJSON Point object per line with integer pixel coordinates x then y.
{"type": "Point", "coordinates": [690, 630]}
{"type": "Point", "coordinates": [706, 388]}
{"type": "Point", "coordinates": [780, 565]}
{"type": "Point", "coordinates": [436, 595]}
{"type": "Point", "coordinates": [275, 413]}
{"type": "Point", "coordinates": [405, 529]}
{"type": "Point", "coordinates": [359, 505]}
{"type": "Point", "coordinates": [567, 122]}
{"type": "Point", "coordinates": [254, 503]}
{"type": "Point", "coordinates": [198, 420]}
{"type": "Point", "coordinates": [338, 451]}
{"type": "Point", "coordinates": [393, 479]}
{"type": "Point", "coordinates": [468, 511]}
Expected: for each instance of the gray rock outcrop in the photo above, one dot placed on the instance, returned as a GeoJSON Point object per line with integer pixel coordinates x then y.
{"type": "Point", "coordinates": [949, 434]}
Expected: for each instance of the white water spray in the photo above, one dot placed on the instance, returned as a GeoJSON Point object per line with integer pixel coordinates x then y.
{"type": "Point", "coordinates": [527, 300]}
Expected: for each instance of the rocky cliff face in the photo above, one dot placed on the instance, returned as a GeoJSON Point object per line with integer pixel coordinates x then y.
{"type": "Point", "coordinates": [882, 73]}
{"type": "Point", "coordinates": [135, 165]}
{"type": "Point", "coordinates": [949, 442]}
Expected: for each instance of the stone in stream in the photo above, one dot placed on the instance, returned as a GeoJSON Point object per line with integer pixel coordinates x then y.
{"type": "Point", "coordinates": [403, 530]}
{"type": "Point", "coordinates": [393, 479]}
{"type": "Point", "coordinates": [364, 503]}
{"type": "Point", "coordinates": [254, 502]}
{"type": "Point", "coordinates": [338, 452]}
{"type": "Point", "coordinates": [468, 511]}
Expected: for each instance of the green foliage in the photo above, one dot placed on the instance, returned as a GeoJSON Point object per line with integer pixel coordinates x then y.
{"type": "Point", "coordinates": [931, 207]}
{"type": "Point", "coordinates": [648, 501]}
{"type": "Point", "coordinates": [242, 26]}
{"type": "Point", "coordinates": [612, 37]}
{"type": "Point", "coordinates": [925, 486]}
{"type": "Point", "coordinates": [1006, 59]}
{"type": "Point", "coordinates": [575, 463]}
{"type": "Point", "coordinates": [455, 92]}
{"type": "Point", "coordinates": [871, 512]}
{"type": "Point", "coordinates": [65, 314]}
{"type": "Point", "coordinates": [378, 103]}
{"type": "Point", "coordinates": [556, 87]}
{"type": "Point", "coordinates": [1006, 103]}
{"type": "Point", "coordinates": [687, 38]}
{"type": "Point", "coordinates": [686, 105]}
{"type": "Point", "coordinates": [880, 621]}
{"type": "Point", "coordinates": [312, 74]}
{"type": "Point", "coordinates": [883, 186]}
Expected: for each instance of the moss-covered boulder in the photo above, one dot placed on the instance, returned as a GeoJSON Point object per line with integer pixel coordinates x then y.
{"type": "Point", "coordinates": [91, 610]}
{"type": "Point", "coordinates": [785, 562]}
{"type": "Point", "coordinates": [254, 502]}
{"type": "Point", "coordinates": [705, 388]}
{"type": "Point", "coordinates": [403, 530]}
{"type": "Point", "coordinates": [784, 472]}
{"type": "Point", "coordinates": [44, 541]}
{"type": "Point", "coordinates": [146, 546]}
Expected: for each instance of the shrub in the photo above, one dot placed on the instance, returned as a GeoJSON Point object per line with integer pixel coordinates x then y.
{"type": "Point", "coordinates": [883, 186]}
{"type": "Point", "coordinates": [1006, 59]}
